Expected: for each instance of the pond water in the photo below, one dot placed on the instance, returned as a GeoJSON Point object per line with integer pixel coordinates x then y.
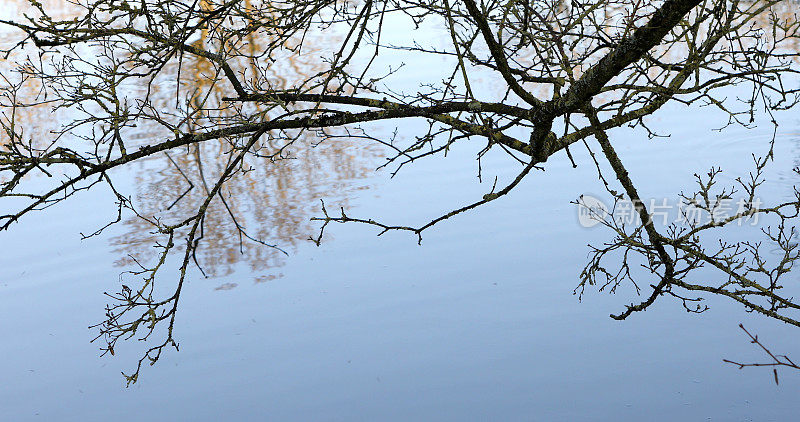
{"type": "Point", "coordinates": [478, 323]}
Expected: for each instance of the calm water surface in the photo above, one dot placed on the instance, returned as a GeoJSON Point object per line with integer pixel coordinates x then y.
{"type": "Point", "coordinates": [478, 323]}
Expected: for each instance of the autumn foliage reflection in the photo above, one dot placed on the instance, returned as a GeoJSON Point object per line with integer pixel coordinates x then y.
{"type": "Point", "coordinates": [272, 200]}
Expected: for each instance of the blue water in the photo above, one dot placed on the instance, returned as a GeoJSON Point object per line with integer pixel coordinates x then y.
{"type": "Point", "coordinates": [478, 323]}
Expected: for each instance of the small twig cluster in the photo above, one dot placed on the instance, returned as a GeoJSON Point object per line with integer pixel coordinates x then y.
{"type": "Point", "coordinates": [777, 360]}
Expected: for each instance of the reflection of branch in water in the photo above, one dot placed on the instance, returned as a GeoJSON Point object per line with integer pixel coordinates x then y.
{"type": "Point", "coordinates": [777, 360]}
{"type": "Point", "coordinates": [185, 177]}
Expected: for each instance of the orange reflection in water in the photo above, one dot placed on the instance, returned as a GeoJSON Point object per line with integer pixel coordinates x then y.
{"type": "Point", "coordinates": [273, 201]}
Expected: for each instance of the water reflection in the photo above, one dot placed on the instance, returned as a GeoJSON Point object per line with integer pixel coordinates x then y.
{"type": "Point", "coordinates": [36, 121]}
{"type": "Point", "coordinates": [465, 344]}
{"type": "Point", "coordinates": [273, 200]}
